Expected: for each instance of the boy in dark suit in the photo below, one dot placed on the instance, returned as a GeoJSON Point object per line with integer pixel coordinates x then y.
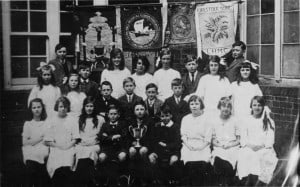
{"type": "Point", "coordinates": [192, 77]}
{"type": "Point", "coordinates": [165, 158]}
{"type": "Point", "coordinates": [89, 87]}
{"type": "Point", "coordinates": [179, 107]}
{"type": "Point", "coordinates": [105, 99]}
{"type": "Point", "coordinates": [130, 98]}
{"type": "Point", "coordinates": [153, 104]}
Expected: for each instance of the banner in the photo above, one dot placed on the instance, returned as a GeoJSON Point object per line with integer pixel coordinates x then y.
{"type": "Point", "coordinates": [141, 27]}
{"type": "Point", "coordinates": [216, 27]}
{"type": "Point", "coordinates": [182, 24]}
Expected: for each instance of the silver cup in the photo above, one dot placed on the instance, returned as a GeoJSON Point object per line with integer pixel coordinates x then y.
{"type": "Point", "coordinates": [137, 133]}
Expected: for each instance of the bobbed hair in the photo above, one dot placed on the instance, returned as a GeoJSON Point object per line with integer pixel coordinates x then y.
{"type": "Point", "coordinates": [115, 52]}
{"type": "Point", "coordinates": [65, 101]}
{"type": "Point", "coordinates": [196, 98]}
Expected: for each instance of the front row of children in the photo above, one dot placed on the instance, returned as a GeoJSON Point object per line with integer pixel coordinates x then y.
{"type": "Point", "coordinates": [199, 151]}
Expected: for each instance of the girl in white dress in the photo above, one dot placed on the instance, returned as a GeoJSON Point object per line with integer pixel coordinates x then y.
{"type": "Point", "coordinates": [46, 89]}
{"type": "Point", "coordinates": [164, 76]}
{"type": "Point", "coordinates": [213, 86]}
{"type": "Point", "coordinates": [196, 135]}
{"type": "Point", "coordinates": [62, 135]}
{"type": "Point", "coordinates": [34, 150]}
{"type": "Point", "coordinates": [141, 77]}
{"type": "Point", "coordinates": [88, 148]}
{"type": "Point", "coordinates": [257, 159]}
{"type": "Point", "coordinates": [72, 92]}
{"type": "Point", "coordinates": [116, 72]}
{"type": "Point", "coordinates": [244, 89]}
{"type": "Point", "coordinates": [226, 139]}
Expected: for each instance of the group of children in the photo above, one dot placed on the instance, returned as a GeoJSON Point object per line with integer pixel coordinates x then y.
{"type": "Point", "coordinates": [196, 130]}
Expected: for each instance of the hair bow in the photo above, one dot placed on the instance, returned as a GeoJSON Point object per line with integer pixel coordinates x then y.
{"type": "Point", "coordinates": [253, 65]}
{"type": "Point", "coordinates": [42, 64]}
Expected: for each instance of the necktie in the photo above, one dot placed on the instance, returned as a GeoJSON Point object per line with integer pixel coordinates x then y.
{"type": "Point", "coordinates": [193, 78]}
{"type": "Point", "coordinates": [178, 100]}
{"type": "Point", "coordinates": [129, 98]}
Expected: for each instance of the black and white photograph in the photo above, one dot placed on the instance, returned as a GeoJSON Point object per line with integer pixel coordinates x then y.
{"type": "Point", "coordinates": [149, 93]}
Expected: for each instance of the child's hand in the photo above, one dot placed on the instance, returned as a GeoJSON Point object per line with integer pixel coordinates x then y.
{"type": "Point", "coordinates": [152, 158]}
{"type": "Point", "coordinates": [162, 144]}
{"type": "Point", "coordinates": [116, 137]}
{"type": "Point", "coordinates": [65, 79]}
{"type": "Point", "coordinates": [134, 143]}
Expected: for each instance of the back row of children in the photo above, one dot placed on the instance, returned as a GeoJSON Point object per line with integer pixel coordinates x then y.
{"type": "Point", "coordinates": [211, 87]}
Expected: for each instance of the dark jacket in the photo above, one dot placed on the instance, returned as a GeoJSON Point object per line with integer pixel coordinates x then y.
{"type": "Point", "coordinates": [127, 107]}
{"type": "Point", "coordinates": [90, 88]}
{"type": "Point", "coordinates": [156, 108]}
{"type": "Point", "coordinates": [178, 110]}
{"type": "Point", "coordinates": [59, 72]}
{"type": "Point", "coordinates": [190, 87]}
{"type": "Point", "coordinates": [102, 106]}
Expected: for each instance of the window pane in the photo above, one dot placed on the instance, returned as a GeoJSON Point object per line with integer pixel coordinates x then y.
{"type": "Point", "coordinates": [19, 45]}
{"type": "Point", "coordinates": [253, 30]}
{"type": "Point", "coordinates": [291, 60]}
{"type": "Point", "coordinates": [19, 21]}
{"type": "Point", "coordinates": [267, 60]}
{"type": "Point", "coordinates": [38, 21]}
{"type": "Point", "coordinates": [291, 5]}
{"type": "Point", "coordinates": [18, 5]}
{"type": "Point", "coordinates": [253, 53]}
{"type": "Point", "coordinates": [66, 22]}
{"type": "Point", "coordinates": [35, 63]}
{"type": "Point", "coordinates": [38, 4]}
{"type": "Point", "coordinates": [267, 29]}
{"type": "Point", "coordinates": [38, 45]}
{"type": "Point", "coordinates": [267, 6]}
{"type": "Point", "coordinates": [291, 27]}
{"type": "Point", "coordinates": [252, 7]}
{"type": "Point", "coordinates": [67, 41]}
{"type": "Point", "coordinates": [19, 67]}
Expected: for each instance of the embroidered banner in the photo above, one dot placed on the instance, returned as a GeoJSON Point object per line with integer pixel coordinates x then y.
{"type": "Point", "coordinates": [216, 27]}
{"type": "Point", "coordinates": [182, 24]}
{"type": "Point", "coordinates": [141, 27]}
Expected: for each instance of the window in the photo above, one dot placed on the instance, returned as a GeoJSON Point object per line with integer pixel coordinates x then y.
{"type": "Point", "coordinates": [272, 25]}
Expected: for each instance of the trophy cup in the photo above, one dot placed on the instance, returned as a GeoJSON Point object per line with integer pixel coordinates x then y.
{"type": "Point", "coordinates": [137, 133]}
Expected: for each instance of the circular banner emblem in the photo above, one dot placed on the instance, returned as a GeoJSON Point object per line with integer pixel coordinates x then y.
{"type": "Point", "coordinates": [181, 26]}
{"type": "Point", "coordinates": [142, 31]}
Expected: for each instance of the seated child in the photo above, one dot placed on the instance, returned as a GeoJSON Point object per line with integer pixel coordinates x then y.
{"type": "Point", "coordinates": [105, 99]}
{"type": "Point", "coordinates": [89, 87]}
{"type": "Point", "coordinates": [153, 104]}
{"type": "Point", "coordinates": [179, 107]}
{"type": "Point", "coordinates": [112, 139]}
{"type": "Point", "coordinates": [166, 148]}
{"type": "Point", "coordinates": [130, 98]}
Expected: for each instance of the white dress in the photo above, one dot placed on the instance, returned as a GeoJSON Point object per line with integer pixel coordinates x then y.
{"type": "Point", "coordinates": [76, 100]}
{"type": "Point", "coordinates": [62, 131]}
{"type": "Point", "coordinates": [141, 81]}
{"type": "Point", "coordinates": [39, 152]}
{"type": "Point", "coordinates": [49, 94]}
{"type": "Point", "coordinates": [163, 78]}
{"type": "Point", "coordinates": [211, 88]}
{"type": "Point", "coordinates": [241, 97]}
{"type": "Point", "coordinates": [195, 130]}
{"type": "Point", "coordinates": [116, 77]}
{"type": "Point", "coordinates": [261, 162]}
{"type": "Point", "coordinates": [89, 135]}
{"type": "Point", "coordinates": [225, 132]}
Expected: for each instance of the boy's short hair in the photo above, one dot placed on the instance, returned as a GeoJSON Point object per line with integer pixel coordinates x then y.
{"type": "Point", "coordinates": [239, 43]}
{"type": "Point", "coordinates": [106, 83]}
{"type": "Point", "coordinates": [165, 109]}
{"type": "Point", "coordinates": [128, 79]}
{"type": "Point", "coordinates": [176, 82]}
{"type": "Point", "coordinates": [190, 58]}
{"type": "Point", "coordinates": [65, 101]}
{"type": "Point", "coordinates": [196, 98]}
{"type": "Point", "coordinates": [151, 85]}
{"type": "Point", "coordinates": [113, 107]}
{"type": "Point", "coordinates": [59, 46]}
{"type": "Point", "coordinates": [83, 66]}
{"type": "Point", "coordinates": [225, 101]}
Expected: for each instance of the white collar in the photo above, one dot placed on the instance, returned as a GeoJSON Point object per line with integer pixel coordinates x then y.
{"type": "Point", "coordinates": [170, 124]}
{"type": "Point", "coordinates": [86, 80]}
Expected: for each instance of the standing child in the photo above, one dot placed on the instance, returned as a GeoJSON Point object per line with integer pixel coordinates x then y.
{"type": "Point", "coordinates": [141, 76]}
{"type": "Point", "coordinates": [34, 150]}
{"type": "Point", "coordinates": [113, 146]}
{"type": "Point", "coordinates": [196, 137]}
{"type": "Point", "coordinates": [192, 77]}
{"type": "Point", "coordinates": [87, 149]}
{"type": "Point", "coordinates": [164, 76]}
{"type": "Point", "coordinates": [226, 139]}
{"type": "Point", "coordinates": [130, 98]}
{"type": "Point", "coordinates": [116, 72]}
{"type": "Point", "coordinates": [153, 104]}
{"type": "Point", "coordinates": [75, 96]}
{"type": "Point", "coordinates": [62, 136]}
{"type": "Point", "coordinates": [46, 89]}
{"type": "Point", "coordinates": [257, 159]}
{"type": "Point", "coordinates": [62, 67]}
{"type": "Point", "coordinates": [89, 87]}
{"type": "Point", "coordinates": [244, 89]}
{"type": "Point", "coordinates": [165, 157]}
{"type": "Point", "coordinates": [179, 107]}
